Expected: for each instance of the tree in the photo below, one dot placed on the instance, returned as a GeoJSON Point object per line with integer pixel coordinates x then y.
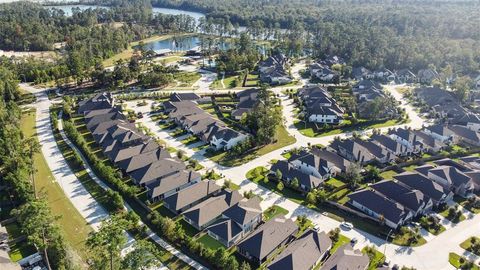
{"type": "Point", "coordinates": [462, 86]}
{"type": "Point", "coordinates": [280, 186]}
{"type": "Point", "coordinates": [352, 174]}
{"type": "Point", "coordinates": [245, 266]}
{"type": "Point", "coordinates": [38, 223]}
{"type": "Point", "coordinates": [142, 257]}
{"type": "Point", "coordinates": [279, 175]}
{"type": "Point", "coordinates": [334, 235]}
{"type": "Point", "coordinates": [373, 174]}
{"type": "Point", "coordinates": [106, 244]}
{"type": "Point", "coordinates": [295, 184]}
{"type": "Point", "coordinates": [311, 197]}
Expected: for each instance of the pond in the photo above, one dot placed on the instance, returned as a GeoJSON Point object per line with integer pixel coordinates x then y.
{"type": "Point", "coordinates": [172, 11]}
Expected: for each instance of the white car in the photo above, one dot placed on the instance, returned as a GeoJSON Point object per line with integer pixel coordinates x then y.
{"type": "Point", "coordinates": [347, 225]}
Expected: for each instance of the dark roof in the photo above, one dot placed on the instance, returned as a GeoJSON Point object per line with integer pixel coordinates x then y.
{"type": "Point", "coordinates": [420, 182]}
{"type": "Point", "coordinates": [378, 203]}
{"type": "Point", "coordinates": [264, 240]}
{"type": "Point", "coordinates": [411, 198]}
{"type": "Point", "coordinates": [94, 121]}
{"type": "Point", "coordinates": [213, 207]}
{"type": "Point", "coordinates": [184, 96]}
{"type": "Point", "coordinates": [157, 170]}
{"type": "Point", "coordinates": [289, 172]}
{"type": "Point", "coordinates": [143, 159]}
{"type": "Point", "coordinates": [440, 129]}
{"type": "Point", "coordinates": [98, 102]}
{"type": "Point", "coordinates": [117, 152]}
{"type": "Point", "coordinates": [226, 229]}
{"type": "Point", "coordinates": [389, 143]}
{"type": "Point", "coordinates": [465, 132]}
{"type": "Point", "coordinates": [346, 259]}
{"type": "Point", "coordinates": [453, 176]}
{"type": "Point", "coordinates": [171, 182]}
{"type": "Point", "coordinates": [191, 194]}
{"type": "Point", "coordinates": [244, 211]}
{"type": "Point", "coordinates": [303, 253]}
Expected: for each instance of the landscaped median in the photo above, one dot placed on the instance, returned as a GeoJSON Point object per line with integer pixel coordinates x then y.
{"type": "Point", "coordinates": [460, 262]}
{"type": "Point", "coordinates": [472, 244]}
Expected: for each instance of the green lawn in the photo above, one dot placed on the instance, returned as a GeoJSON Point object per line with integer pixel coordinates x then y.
{"type": "Point", "coordinates": [467, 244]}
{"type": "Point", "coordinates": [377, 260]}
{"type": "Point", "coordinates": [388, 174]}
{"type": "Point", "coordinates": [189, 229]}
{"type": "Point", "coordinates": [310, 130]}
{"type": "Point", "coordinates": [283, 139]}
{"type": "Point", "coordinates": [444, 214]}
{"type": "Point", "coordinates": [454, 259]}
{"type": "Point", "coordinates": [342, 240]}
{"type": "Point", "coordinates": [274, 211]}
{"type": "Point", "coordinates": [21, 250]}
{"type": "Point", "coordinates": [229, 82]}
{"type": "Point", "coordinates": [209, 242]}
{"type": "Point", "coordinates": [75, 228]}
{"type": "Point", "coordinates": [186, 79]}
{"type": "Point", "coordinates": [410, 168]}
{"type": "Point", "coordinates": [404, 240]}
{"type": "Point", "coordinates": [466, 204]}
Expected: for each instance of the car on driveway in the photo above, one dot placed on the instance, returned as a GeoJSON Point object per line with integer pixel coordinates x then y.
{"type": "Point", "coordinates": [346, 225]}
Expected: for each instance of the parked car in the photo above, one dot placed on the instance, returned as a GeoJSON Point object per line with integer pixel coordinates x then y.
{"type": "Point", "coordinates": [346, 225]}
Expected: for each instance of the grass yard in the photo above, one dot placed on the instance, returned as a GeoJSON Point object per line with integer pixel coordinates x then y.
{"type": "Point", "coordinates": [209, 242]}
{"type": "Point", "coordinates": [410, 168]}
{"type": "Point", "coordinates": [229, 82]}
{"type": "Point", "coordinates": [274, 211]}
{"type": "Point", "coordinates": [310, 130]}
{"type": "Point", "coordinates": [458, 219]}
{"type": "Point", "coordinates": [404, 240]}
{"type": "Point", "coordinates": [342, 240]}
{"type": "Point", "coordinates": [75, 228]}
{"type": "Point", "coordinates": [283, 139]}
{"type": "Point", "coordinates": [465, 203]}
{"type": "Point", "coordinates": [334, 182]}
{"type": "Point", "coordinates": [467, 244]}
{"type": "Point", "coordinates": [21, 250]}
{"type": "Point", "coordinates": [454, 259]}
{"type": "Point", "coordinates": [376, 260]}
{"type": "Point", "coordinates": [388, 174]}
{"type": "Point", "coordinates": [186, 79]}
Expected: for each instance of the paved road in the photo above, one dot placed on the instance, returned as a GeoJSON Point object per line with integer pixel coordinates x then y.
{"type": "Point", "coordinates": [87, 206]}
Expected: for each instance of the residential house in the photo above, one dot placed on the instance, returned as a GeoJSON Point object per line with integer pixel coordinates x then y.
{"type": "Point", "coordinates": [384, 75]}
{"type": "Point", "coordinates": [352, 150]}
{"type": "Point", "coordinates": [262, 243]}
{"type": "Point", "coordinates": [171, 184]}
{"type": "Point", "coordinates": [223, 138]}
{"type": "Point", "coordinates": [430, 144]}
{"type": "Point", "coordinates": [408, 138]}
{"type": "Point", "coordinates": [247, 100]}
{"type": "Point", "coordinates": [289, 172]}
{"type": "Point", "coordinates": [441, 133]}
{"type": "Point", "coordinates": [273, 70]}
{"type": "Point", "coordinates": [420, 182]}
{"type": "Point", "coordinates": [96, 120]}
{"type": "Point", "coordinates": [405, 76]}
{"type": "Point", "coordinates": [154, 172]}
{"type": "Point", "coordinates": [237, 221]}
{"type": "Point", "coordinates": [100, 101]}
{"type": "Point", "coordinates": [205, 213]}
{"type": "Point", "coordinates": [346, 258]}
{"type": "Point", "coordinates": [427, 76]}
{"type": "Point", "coordinates": [466, 135]}
{"type": "Point", "coordinates": [441, 102]}
{"type": "Point", "coordinates": [176, 97]}
{"type": "Point", "coordinates": [384, 209]}
{"type": "Point", "coordinates": [319, 107]}
{"type": "Point", "coordinates": [141, 160]}
{"type": "Point", "coordinates": [414, 200]}
{"type": "Point", "coordinates": [323, 73]}
{"type": "Point", "coordinates": [470, 120]}
{"type": "Point", "coordinates": [362, 73]}
{"type": "Point", "coordinates": [367, 90]}
{"type": "Point", "coordinates": [321, 163]}
{"type": "Point", "coordinates": [305, 253]}
{"type": "Point", "coordinates": [392, 146]}
{"type": "Point", "coordinates": [116, 152]}
{"type": "Point", "coordinates": [451, 179]}
{"type": "Point", "coordinates": [190, 196]}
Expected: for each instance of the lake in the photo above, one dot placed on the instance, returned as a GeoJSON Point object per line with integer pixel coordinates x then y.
{"type": "Point", "coordinates": [182, 43]}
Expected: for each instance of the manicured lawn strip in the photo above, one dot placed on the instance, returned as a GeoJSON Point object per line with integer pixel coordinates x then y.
{"type": "Point", "coordinates": [454, 259]}
{"type": "Point", "coordinates": [466, 204]}
{"type": "Point", "coordinates": [444, 214]}
{"type": "Point", "coordinates": [75, 228]}
{"type": "Point", "coordinates": [388, 174]}
{"type": "Point", "coordinates": [342, 240]}
{"type": "Point", "coordinates": [283, 139]}
{"type": "Point", "coordinates": [334, 182]}
{"type": "Point", "coordinates": [209, 242]}
{"type": "Point", "coordinates": [273, 211]}
{"type": "Point", "coordinates": [467, 245]}
{"type": "Point", "coordinates": [376, 261]}
{"type": "Point", "coordinates": [21, 250]}
{"type": "Point", "coordinates": [98, 193]}
{"type": "Point", "coordinates": [309, 129]}
{"type": "Point", "coordinates": [403, 240]}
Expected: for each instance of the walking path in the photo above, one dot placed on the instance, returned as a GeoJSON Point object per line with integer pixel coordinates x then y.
{"type": "Point", "coordinates": [90, 209]}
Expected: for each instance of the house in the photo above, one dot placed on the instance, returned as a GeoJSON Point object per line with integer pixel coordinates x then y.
{"type": "Point", "coordinates": [323, 73]}
{"type": "Point", "coordinates": [430, 144]}
{"type": "Point", "coordinates": [190, 196]}
{"type": "Point", "coordinates": [384, 75]}
{"type": "Point", "coordinates": [304, 253]}
{"type": "Point", "coordinates": [441, 102]}
{"type": "Point", "coordinates": [141, 160]}
{"type": "Point", "coordinates": [171, 184]}
{"type": "Point", "coordinates": [176, 97]}
{"type": "Point", "coordinates": [352, 150]}
{"type": "Point", "coordinates": [470, 120]}
{"type": "Point", "coordinates": [441, 133]}
{"type": "Point", "coordinates": [420, 182]}
{"type": "Point", "coordinates": [427, 76]}
{"type": "Point", "coordinates": [407, 138]}
{"type": "Point", "coordinates": [306, 182]}
{"type": "Point", "coordinates": [465, 134]}
{"type": "Point", "coordinates": [100, 101]}
{"type": "Point", "coordinates": [367, 90]}
{"type": "Point", "coordinates": [414, 200]}
{"type": "Point", "coordinates": [261, 244]}
{"type": "Point", "coordinates": [117, 152]}
{"type": "Point", "coordinates": [362, 73]}
{"type": "Point", "coordinates": [273, 70]}
{"type": "Point", "coordinates": [223, 138]}
{"type": "Point", "coordinates": [247, 100]}
{"type": "Point", "coordinates": [320, 163]}
{"type": "Point", "coordinates": [379, 153]}
{"type": "Point", "coordinates": [205, 213]}
{"type": "Point", "coordinates": [392, 146]}
{"type": "Point", "coordinates": [346, 259]}
{"type": "Point", "coordinates": [96, 120]}
{"type": "Point", "coordinates": [384, 209]}
{"type": "Point", "coordinates": [152, 173]}
{"type": "Point", "coordinates": [452, 179]}
{"type": "Point", "coordinates": [405, 76]}
{"type": "Point", "coordinates": [237, 221]}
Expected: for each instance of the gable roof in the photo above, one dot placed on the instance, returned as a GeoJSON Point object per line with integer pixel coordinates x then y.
{"type": "Point", "coordinates": [421, 182]}
{"type": "Point", "coordinates": [265, 239]}
{"type": "Point", "coordinates": [465, 133]}
{"type": "Point", "coordinates": [244, 211]}
{"type": "Point", "coordinates": [378, 203]}
{"type": "Point", "coordinates": [289, 172]}
{"type": "Point", "coordinates": [158, 169]}
{"type": "Point", "coordinates": [213, 207]}
{"type": "Point", "coordinates": [171, 182]}
{"type": "Point", "coordinates": [117, 152]}
{"type": "Point", "coordinates": [226, 229]}
{"type": "Point", "coordinates": [183, 96]}
{"type": "Point", "coordinates": [411, 198]}
{"type": "Point", "coordinates": [346, 259]}
{"type": "Point", "coordinates": [388, 143]}
{"type": "Point", "coordinates": [451, 174]}
{"type": "Point", "coordinates": [191, 194]}
{"type": "Point", "coordinates": [143, 159]}
{"type": "Point", "coordinates": [302, 253]}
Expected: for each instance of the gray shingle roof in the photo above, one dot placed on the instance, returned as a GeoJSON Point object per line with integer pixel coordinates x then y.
{"type": "Point", "coordinates": [289, 172]}
{"type": "Point", "coordinates": [244, 211]}
{"type": "Point", "coordinates": [408, 197]}
{"type": "Point", "coordinates": [265, 239]}
{"type": "Point", "coordinates": [418, 181]}
{"type": "Point", "coordinates": [191, 194]}
{"type": "Point", "coordinates": [303, 253]}
{"type": "Point", "coordinates": [226, 229]}
{"type": "Point", "coordinates": [143, 159]}
{"type": "Point", "coordinates": [171, 182]}
{"type": "Point", "coordinates": [158, 169]}
{"type": "Point", "coordinates": [346, 259]}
